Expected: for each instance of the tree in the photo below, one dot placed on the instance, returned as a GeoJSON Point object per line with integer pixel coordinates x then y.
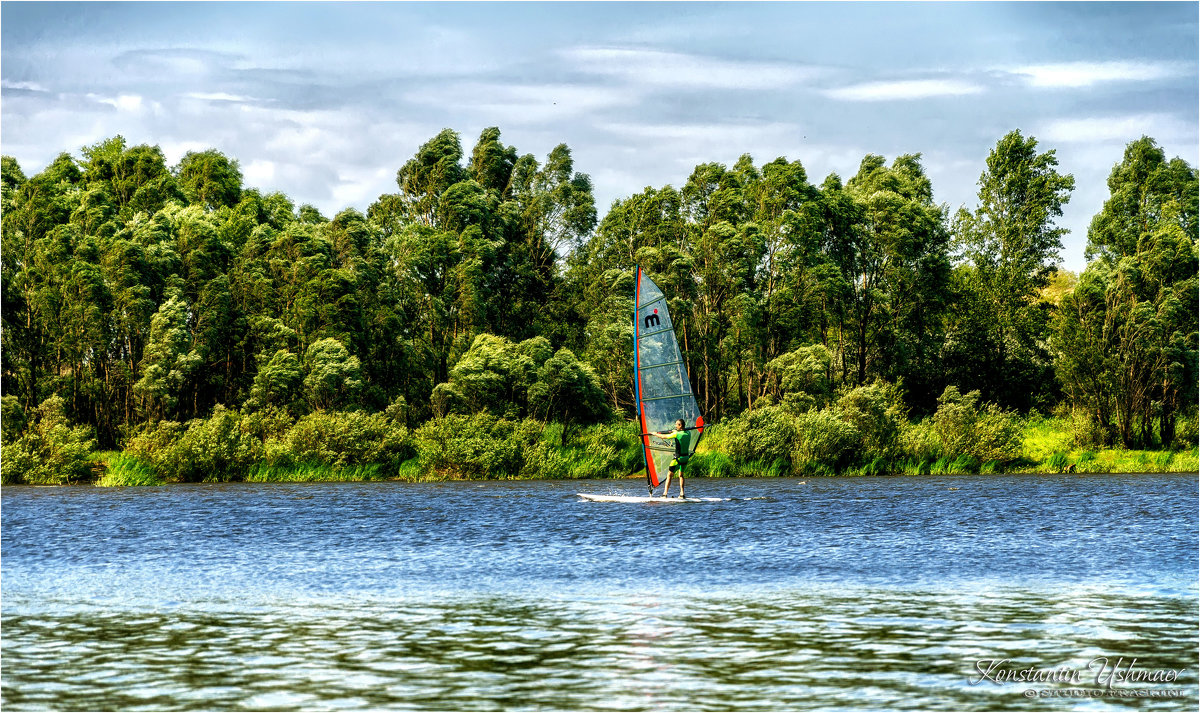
{"type": "Point", "coordinates": [1011, 245]}
{"type": "Point", "coordinates": [210, 179]}
{"type": "Point", "coordinates": [277, 382]}
{"type": "Point", "coordinates": [494, 375]}
{"type": "Point", "coordinates": [567, 391]}
{"type": "Point", "coordinates": [425, 177]}
{"type": "Point", "coordinates": [492, 162]}
{"type": "Point", "coordinates": [1126, 337]}
{"type": "Point", "coordinates": [892, 254]}
{"type": "Point", "coordinates": [169, 360]}
{"type": "Point", "coordinates": [333, 375]}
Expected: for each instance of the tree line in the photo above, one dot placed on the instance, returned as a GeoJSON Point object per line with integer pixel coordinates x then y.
{"type": "Point", "coordinates": [137, 293]}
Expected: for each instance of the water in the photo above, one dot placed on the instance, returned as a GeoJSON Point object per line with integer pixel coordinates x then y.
{"type": "Point", "coordinates": [833, 594]}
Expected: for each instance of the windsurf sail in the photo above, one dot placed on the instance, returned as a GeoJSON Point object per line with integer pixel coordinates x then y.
{"type": "Point", "coordinates": [661, 386]}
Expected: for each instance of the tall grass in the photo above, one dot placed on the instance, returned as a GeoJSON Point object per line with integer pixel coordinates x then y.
{"type": "Point", "coordinates": [314, 472]}
{"type": "Point", "coordinates": [122, 469]}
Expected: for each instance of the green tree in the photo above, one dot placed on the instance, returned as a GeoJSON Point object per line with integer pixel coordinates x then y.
{"type": "Point", "coordinates": [210, 179]}
{"type": "Point", "coordinates": [492, 162]}
{"type": "Point", "coordinates": [568, 392]}
{"type": "Point", "coordinates": [1126, 337]}
{"type": "Point", "coordinates": [169, 361]}
{"type": "Point", "coordinates": [894, 264]}
{"type": "Point", "coordinates": [1011, 245]}
{"type": "Point", "coordinates": [277, 382]}
{"type": "Point", "coordinates": [333, 375]}
{"type": "Point", "coordinates": [494, 375]}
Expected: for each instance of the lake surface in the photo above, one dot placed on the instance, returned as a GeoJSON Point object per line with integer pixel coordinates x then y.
{"type": "Point", "coordinates": [835, 594]}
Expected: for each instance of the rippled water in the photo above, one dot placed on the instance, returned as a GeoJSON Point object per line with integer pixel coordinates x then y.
{"type": "Point", "coordinates": [854, 593]}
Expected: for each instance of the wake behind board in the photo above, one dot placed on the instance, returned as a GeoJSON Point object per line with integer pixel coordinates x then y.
{"type": "Point", "coordinates": [644, 499]}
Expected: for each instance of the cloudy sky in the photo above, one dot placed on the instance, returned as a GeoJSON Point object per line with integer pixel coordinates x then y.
{"type": "Point", "coordinates": [325, 101]}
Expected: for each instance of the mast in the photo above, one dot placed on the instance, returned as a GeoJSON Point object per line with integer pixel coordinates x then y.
{"type": "Point", "coordinates": [662, 389]}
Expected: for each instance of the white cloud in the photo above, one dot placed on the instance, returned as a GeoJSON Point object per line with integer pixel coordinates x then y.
{"type": "Point", "coordinates": [174, 151]}
{"type": "Point", "coordinates": [361, 186]}
{"type": "Point", "coordinates": [129, 103]}
{"type": "Point", "coordinates": [1086, 74]}
{"type": "Point", "coordinates": [218, 97]}
{"type": "Point", "coordinates": [521, 103]}
{"type": "Point", "coordinates": [735, 135]}
{"type": "Point", "coordinates": [1123, 129]}
{"type": "Point", "coordinates": [904, 90]}
{"type": "Point", "coordinates": [26, 86]}
{"type": "Point", "coordinates": [259, 172]}
{"type": "Point", "coordinates": [674, 69]}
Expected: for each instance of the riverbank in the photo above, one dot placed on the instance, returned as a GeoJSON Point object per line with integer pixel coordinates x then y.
{"type": "Point", "coordinates": [855, 439]}
{"type": "Point", "coordinates": [611, 451]}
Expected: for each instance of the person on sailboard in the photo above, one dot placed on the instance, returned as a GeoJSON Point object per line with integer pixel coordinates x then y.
{"type": "Point", "coordinates": [682, 440]}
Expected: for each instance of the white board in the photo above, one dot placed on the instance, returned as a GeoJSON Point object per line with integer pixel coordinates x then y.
{"type": "Point", "coordinates": [645, 499]}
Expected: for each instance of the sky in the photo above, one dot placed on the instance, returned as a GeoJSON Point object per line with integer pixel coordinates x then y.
{"type": "Point", "coordinates": [325, 101]}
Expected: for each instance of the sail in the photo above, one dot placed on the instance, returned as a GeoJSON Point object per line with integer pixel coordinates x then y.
{"type": "Point", "coordinates": [661, 387]}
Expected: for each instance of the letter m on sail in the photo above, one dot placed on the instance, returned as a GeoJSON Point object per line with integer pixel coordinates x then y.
{"type": "Point", "coordinates": [651, 320]}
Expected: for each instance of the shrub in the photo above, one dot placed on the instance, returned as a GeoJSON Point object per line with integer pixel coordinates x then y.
{"type": "Point", "coordinates": [50, 451]}
{"type": "Point", "coordinates": [155, 444]}
{"type": "Point", "coordinates": [963, 428]}
{"type": "Point", "coordinates": [919, 442]}
{"type": "Point", "coordinates": [266, 424]}
{"type": "Point", "coordinates": [347, 438]}
{"type": "Point", "coordinates": [12, 419]}
{"type": "Point", "coordinates": [877, 412]}
{"type": "Point", "coordinates": [824, 442]}
{"type": "Point", "coordinates": [218, 448]}
{"type": "Point", "coordinates": [766, 435]}
{"type": "Point", "coordinates": [1187, 433]}
{"type": "Point", "coordinates": [476, 446]}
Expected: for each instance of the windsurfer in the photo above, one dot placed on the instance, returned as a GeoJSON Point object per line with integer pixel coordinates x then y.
{"type": "Point", "coordinates": [682, 440]}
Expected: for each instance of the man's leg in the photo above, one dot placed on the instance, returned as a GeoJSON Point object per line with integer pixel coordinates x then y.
{"type": "Point", "coordinates": [667, 486]}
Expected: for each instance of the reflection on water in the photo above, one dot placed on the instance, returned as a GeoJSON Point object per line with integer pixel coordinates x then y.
{"type": "Point", "coordinates": [872, 648]}
{"type": "Point", "coordinates": [859, 594]}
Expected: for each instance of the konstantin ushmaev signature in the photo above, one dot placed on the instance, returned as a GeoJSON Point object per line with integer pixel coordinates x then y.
{"type": "Point", "coordinates": [1101, 672]}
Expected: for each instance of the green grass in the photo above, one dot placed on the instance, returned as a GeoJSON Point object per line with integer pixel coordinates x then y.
{"type": "Point", "coordinates": [312, 473]}
{"type": "Point", "coordinates": [122, 470]}
{"type": "Point", "coordinates": [1045, 437]}
{"type": "Point", "coordinates": [710, 465]}
{"type": "Point", "coordinates": [1118, 461]}
{"type": "Point", "coordinates": [1049, 448]}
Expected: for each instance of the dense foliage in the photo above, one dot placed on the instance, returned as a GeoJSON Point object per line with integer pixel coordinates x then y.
{"type": "Point", "coordinates": [477, 321]}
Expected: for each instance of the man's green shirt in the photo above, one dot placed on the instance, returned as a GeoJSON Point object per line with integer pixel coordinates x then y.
{"type": "Point", "coordinates": [683, 439]}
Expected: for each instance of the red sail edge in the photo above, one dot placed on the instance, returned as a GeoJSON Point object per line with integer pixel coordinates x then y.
{"type": "Point", "coordinates": [649, 459]}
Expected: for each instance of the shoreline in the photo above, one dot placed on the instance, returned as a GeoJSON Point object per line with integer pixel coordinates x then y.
{"type": "Point", "coordinates": [1106, 462]}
